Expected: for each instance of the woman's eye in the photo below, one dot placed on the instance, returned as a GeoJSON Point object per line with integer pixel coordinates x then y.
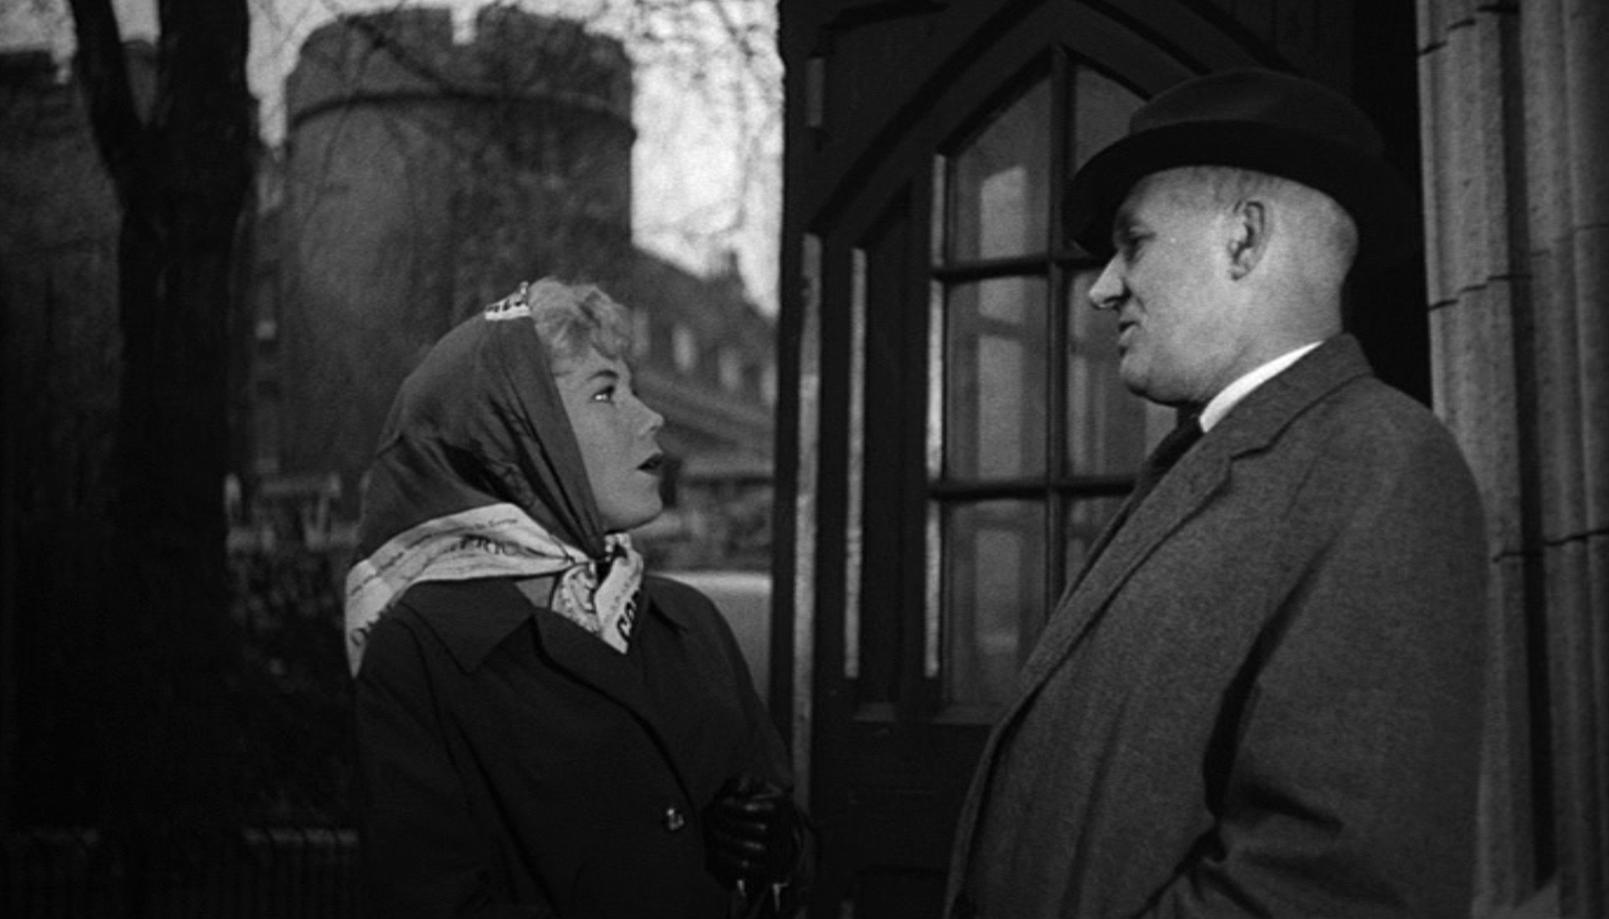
{"type": "Point", "coordinates": [604, 395]}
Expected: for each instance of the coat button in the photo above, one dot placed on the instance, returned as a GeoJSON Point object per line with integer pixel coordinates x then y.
{"type": "Point", "coordinates": [674, 818]}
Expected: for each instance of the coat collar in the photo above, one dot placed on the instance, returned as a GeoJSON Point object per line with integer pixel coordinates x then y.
{"type": "Point", "coordinates": [1257, 420]}
{"type": "Point", "coordinates": [501, 608]}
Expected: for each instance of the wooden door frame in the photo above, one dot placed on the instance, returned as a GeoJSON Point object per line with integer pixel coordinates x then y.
{"type": "Point", "coordinates": [1146, 46]}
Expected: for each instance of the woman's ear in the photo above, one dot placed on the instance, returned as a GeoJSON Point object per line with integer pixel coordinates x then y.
{"type": "Point", "coordinates": [1249, 226]}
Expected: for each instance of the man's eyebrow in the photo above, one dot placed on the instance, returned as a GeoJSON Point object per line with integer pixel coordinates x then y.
{"type": "Point", "coordinates": [1122, 222]}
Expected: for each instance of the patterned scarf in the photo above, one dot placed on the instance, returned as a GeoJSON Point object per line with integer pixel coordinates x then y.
{"type": "Point", "coordinates": [479, 476]}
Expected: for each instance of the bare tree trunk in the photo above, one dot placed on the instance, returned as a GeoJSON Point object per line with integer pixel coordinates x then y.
{"type": "Point", "coordinates": [181, 174]}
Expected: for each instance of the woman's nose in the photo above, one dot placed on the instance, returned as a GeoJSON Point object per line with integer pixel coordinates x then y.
{"type": "Point", "coordinates": [1107, 292]}
{"type": "Point", "coordinates": [654, 420]}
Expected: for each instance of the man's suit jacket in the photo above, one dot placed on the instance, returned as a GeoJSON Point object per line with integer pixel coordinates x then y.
{"type": "Point", "coordinates": [1262, 698]}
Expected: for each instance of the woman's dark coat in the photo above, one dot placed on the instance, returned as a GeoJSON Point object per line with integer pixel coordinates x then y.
{"type": "Point", "coordinates": [514, 765]}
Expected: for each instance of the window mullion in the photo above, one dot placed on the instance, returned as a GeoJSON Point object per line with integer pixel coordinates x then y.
{"type": "Point", "coordinates": [1056, 333]}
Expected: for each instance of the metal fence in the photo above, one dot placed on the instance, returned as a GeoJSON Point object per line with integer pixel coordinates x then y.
{"type": "Point", "coordinates": [261, 873]}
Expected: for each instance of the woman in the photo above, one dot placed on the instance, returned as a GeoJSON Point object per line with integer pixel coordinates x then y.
{"type": "Point", "coordinates": [543, 730]}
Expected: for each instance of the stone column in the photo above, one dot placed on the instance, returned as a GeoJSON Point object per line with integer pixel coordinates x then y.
{"type": "Point", "coordinates": [1515, 127]}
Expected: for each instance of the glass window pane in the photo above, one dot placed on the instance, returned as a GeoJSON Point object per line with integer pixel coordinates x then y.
{"type": "Point", "coordinates": [994, 595]}
{"type": "Point", "coordinates": [1109, 429]}
{"type": "Point", "coordinates": [1086, 518]}
{"type": "Point", "coordinates": [995, 372]}
{"type": "Point", "coordinates": [1100, 111]}
{"type": "Point", "coordinates": [1098, 114]}
{"type": "Point", "coordinates": [1002, 183]}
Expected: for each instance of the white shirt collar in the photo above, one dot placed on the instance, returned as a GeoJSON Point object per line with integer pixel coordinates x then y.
{"type": "Point", "coordinates": [1230, 395]}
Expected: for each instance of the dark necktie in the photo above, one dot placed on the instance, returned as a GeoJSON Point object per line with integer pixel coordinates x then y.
{"type": "Point", "coordinates": [1151, 471]}
{"type": "Point", "coordinates": [1173, 446]}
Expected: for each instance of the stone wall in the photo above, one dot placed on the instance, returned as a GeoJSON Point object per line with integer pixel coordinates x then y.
{"type": "Point", "coordinates": [1515, 103]}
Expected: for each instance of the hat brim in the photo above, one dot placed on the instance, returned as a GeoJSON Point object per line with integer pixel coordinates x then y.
{"type": "Point", "coordinates": [1376, 196]}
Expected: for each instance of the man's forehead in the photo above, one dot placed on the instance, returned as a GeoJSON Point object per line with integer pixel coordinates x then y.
{"type": "Point", "coordinates": [1179, 187]}
{"type": "Point", "coordinates": [1141, 200]}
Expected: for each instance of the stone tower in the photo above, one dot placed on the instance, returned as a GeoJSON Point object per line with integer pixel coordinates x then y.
{"type": "Point", "coordinates": [424, 178]}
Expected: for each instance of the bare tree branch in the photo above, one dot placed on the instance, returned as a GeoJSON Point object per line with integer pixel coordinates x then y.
{"type": "Point", "coordinates": [182, 174]}
{"type": "Point", "coordinates": [103, 71]}
{"type": "Point", "coordinates": [203, 108]}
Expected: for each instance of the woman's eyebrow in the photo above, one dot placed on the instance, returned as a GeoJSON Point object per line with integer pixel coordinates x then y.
{"type": "Point", "coordinates": [605, 373]}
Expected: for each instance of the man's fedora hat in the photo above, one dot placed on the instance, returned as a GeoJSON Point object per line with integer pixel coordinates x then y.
{"type": "Point", "coordinates": [1259, 120]}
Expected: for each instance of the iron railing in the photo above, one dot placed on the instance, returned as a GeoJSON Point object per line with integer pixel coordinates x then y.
{"type": "Point", "coordinates": [259, 873]}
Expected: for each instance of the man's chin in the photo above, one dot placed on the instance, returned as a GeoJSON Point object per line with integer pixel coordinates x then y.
{"type": "Point", "coordinates": [1133, 380]}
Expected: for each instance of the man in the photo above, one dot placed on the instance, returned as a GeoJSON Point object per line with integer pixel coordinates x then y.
{"type": "Point", "coordinates": [1261, 697]}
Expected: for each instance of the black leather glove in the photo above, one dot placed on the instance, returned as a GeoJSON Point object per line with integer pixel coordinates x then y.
{"type": "Point", "coordinates": [752, 834]}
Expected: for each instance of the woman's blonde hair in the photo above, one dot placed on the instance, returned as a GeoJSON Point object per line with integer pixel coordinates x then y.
{"type": "Point", "coordinates": [571, 318]}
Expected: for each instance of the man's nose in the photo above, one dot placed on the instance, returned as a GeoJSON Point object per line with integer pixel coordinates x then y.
{"type": "Point", "coordinates": [1108, 291]}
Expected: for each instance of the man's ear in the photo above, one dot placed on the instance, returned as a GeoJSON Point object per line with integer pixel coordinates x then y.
{"type": "Point", "coordinates": [1248, 236]}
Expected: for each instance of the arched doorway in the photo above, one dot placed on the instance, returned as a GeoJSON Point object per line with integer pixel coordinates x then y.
{"type": "Point", "coordinates": [951, 432]}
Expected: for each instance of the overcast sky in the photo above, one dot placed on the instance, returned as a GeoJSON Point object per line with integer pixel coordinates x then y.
{"type": "Point", "coordinates": [706, 168]}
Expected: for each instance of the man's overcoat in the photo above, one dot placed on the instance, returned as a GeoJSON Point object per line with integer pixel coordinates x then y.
{"type": "Point", "coordinates": [1262, 698]}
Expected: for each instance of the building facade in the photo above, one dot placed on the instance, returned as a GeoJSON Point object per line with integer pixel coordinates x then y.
{"type": "Point", "coordinates": [424, 176]}
{"type": "Point", "coordinates": [924, 539]}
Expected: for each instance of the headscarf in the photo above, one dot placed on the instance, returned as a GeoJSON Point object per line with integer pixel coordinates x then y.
{"type": "Point", "coordinates": [479, 475]}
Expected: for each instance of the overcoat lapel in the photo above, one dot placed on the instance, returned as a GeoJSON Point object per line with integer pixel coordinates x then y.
{"type": "Point", "coordinates": [587, 659]}
{"type": "Point", "coordinates": [1121, 547]}
{"type": "Point", "coordinates": [1187, 487]}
